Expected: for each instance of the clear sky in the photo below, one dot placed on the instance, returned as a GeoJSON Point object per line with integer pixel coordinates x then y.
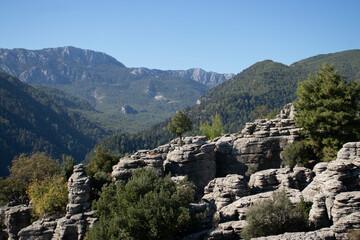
{"type": "Point", "coordinates": [222, 36]}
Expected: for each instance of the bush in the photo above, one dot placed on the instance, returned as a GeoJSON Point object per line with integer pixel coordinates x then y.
{"type": "Point", "coordinates": [353, 235]}
{"type": "Point", "coordinates": [48, 196]}
{"type": "Point", "coordinates": [147, 207]}
{"type": "Point", "coordinates": [297, 153]}
{"type": "Point", "coordinates": [214, 130]}
{"type": "Point", "coordinates": [273, 216]}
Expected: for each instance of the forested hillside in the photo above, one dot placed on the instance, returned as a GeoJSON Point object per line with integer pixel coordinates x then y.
{"type": "Point", "coordinates": [32, 120]}
{"type": "Point", "coordinates": [109, 86]}
{"type": "Point", "coordinates": [265, 83]}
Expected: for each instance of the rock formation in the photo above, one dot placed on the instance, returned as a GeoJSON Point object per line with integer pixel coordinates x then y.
{"type": "Point", "coordinates": [17, 218]}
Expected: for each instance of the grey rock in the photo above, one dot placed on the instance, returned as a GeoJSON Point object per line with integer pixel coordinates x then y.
{"type": "Point", "coordinates": [225, 190]}
{"type": "Point", "coordinates": [17, 218]}
{"type": "Point", "coordinates": [42, 229]}
{"type": "Point", "coordinates": [318, 216]}
{"type": "Point", "coordinates": [322, 234]}
{"type": "Point", "coordinates": [345, 204]}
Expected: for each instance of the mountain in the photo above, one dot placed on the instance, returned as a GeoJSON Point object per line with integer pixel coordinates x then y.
{"type": "Point", "coordinates": [211, 79]}
{"type": "Point", "coordinates": [265, 83]}
{"type": "Point", "coordinates": [35, 120]}
{"type": "Point", "coordinates": [109, 86]}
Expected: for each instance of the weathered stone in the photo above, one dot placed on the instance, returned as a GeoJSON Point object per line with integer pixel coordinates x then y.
{"type": "Point", "coordinates": [318, 216]}
{"type": "Point", "coordinates": [17, 218]}
{"type": "Point", "coordinates": [345, 204]}
{"type": "Point", "coordinates": [322, 234]}
{"type": "Point", "coordinates": [42, 229]}
{"type": "Point", "coordinates": [225, 190]}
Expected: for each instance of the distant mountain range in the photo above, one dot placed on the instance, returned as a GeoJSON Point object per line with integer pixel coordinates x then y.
{"type": "Point", "coordinates": [265, 83]}
{"type": "Point", "coordinates": [77, 97]}
{"type": "Point", "coordinates": [109, 86]}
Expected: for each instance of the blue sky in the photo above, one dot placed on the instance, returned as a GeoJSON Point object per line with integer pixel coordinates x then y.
{"type": "Point", "coordinates": [222, 36]}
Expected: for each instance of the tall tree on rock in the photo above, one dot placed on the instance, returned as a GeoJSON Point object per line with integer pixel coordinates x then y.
{"type": "Point", "coordinates": [179, 124]}
{"type": "Point", "coordinates": [328, 111]}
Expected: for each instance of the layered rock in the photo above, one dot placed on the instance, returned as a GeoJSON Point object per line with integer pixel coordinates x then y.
{"type": "Point", "coordinates": [42, 229]}
{"type": "Point", "coordinates": [322, 234]}
{"type": "Point", "coordinates": [78, 211]}
{"type": "Point", "coordinates": [258, 146]}
{"type": "Point", "coordinates": [195, 159]}
{"type": "Point", "coordinates": [225, 190]}
{"type": "Point", "coordinates": [17, 218]}
{"type": "Point", "coordinates": [272, 179]}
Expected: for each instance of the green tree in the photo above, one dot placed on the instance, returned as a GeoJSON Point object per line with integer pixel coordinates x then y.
{"type": "Point", "coordinates": [214, 130]}
{"type": "Point", "coordinates": [48, 196]}
{"type": "Point", "coordinates": [328, 111]}
{"type": "Point", "coordinates": [297, 153]}
{"type": "Point", "coordinates": [274, 216]}
{"type": "Point", "coordinates": [147, 207]}
{"type": "Point", "coordinates": [24, 170]}
{"type": "Point", "coordinates": [67, 166]}
{"type": "Point", "coordinates": [102, 162]}
{"type": "Point", "coordinates": [179, 124]}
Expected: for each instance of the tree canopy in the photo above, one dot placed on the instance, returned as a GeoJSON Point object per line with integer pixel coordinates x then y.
{"type": "Point", "coordinates": [179, 124]}
{"type": "Point", "coordinates": [213, 130]}
{"type": "Point", "coordinates": [328, 111]}
{"type": "Point", "coordinates": [147, 207]}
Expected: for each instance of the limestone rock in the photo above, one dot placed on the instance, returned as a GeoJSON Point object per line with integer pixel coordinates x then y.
{"type": "Point", "coordinates": [78, 211]}
{"type": "Point", "coordinates": [322, 234]}
{"type": "Point", "coordinates": [237, 210]}
{"type": "Point", "coordinates": [17, 218]}
{"type": "Point", "coordinates": [225, 190]}
{"type": "Point", "coordinates": [318, 216]}
{"type": "Point", "coordinates": [272, 179]}
{"type": "Point", "coordinates": [195, 159]}
{"type": "Point", "coordinates": [345, 224]}
{"type": "Point", "coordinates": [42, 229]}
{"type": "Point", "coordinates": [345, 204]}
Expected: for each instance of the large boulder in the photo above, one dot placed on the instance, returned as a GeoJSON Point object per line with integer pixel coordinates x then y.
{"type": "Point", "coordinates": [42, 229]}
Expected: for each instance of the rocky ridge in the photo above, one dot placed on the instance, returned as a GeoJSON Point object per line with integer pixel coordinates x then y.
{"type": "Point", "coordinates": [231, 173]}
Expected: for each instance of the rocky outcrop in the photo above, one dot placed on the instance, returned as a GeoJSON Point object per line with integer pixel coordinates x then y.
{"type": "Point", "coordinates": [17, 218]}
{"type": "Point", "coordinates": [272, 179]}
{"type": "Point", "coordinates": [78, 210]}
{"type": "Point", "coordinates": [225, 190]}
{"type": "Point", "coordinates": [258, 146]}
{"type": "Point", "coordinates": [42, 229]}
{"type": "Point", "coordinates": [195, 159]}
{"type": "Point", "coordinates": [322, 234]}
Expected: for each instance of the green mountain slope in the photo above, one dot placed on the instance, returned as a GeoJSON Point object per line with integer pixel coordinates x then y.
{"type": "Point", "coordinates": [108, 85]}
{"type": "Point", "coordinates": [264, 83]}
{"type": "Point", "coordinates": [32, 120]}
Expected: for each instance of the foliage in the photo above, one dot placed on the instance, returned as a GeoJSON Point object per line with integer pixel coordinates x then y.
{"type": "Point", "coordinates": [37, 166]}
{"type": "Point", "coordinates": [328, 111]}
{"type": "Point", "coordinates": [179, 124]}
{"type": "Point", "coordinates": [48, 196]}
{"type": "Point", "coordinates": [297, 153]}
{"type": "Point", "coordinates": [33, 121]}
{"type": "Point", "coordinates": [273, 216]}
{"type": "Point", "coordinates": [67, 166]}
{"type": "Point", "coordinates": [147, 207]}
{"type": "Point", "coordinates": [24, 170]}
{"type": "Point", "coordinates": [102, 162]}
{"type": "Point", "coordinates": [214, 130]}
{"type": "Point", "coordinates": [260, 112]}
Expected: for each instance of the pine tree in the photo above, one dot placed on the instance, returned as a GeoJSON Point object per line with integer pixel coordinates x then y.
{"type": "Point", "coordinates": [179, 124]}
{"type": "Point", "coordinates": [328, 111]}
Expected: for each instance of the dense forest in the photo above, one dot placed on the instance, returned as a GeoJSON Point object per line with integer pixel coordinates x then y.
{"type": "Point", "coordinates": [32, 120]}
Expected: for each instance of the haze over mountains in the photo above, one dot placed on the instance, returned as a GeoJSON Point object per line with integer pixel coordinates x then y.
{"type": "Point", "coordinates": [104, 97]}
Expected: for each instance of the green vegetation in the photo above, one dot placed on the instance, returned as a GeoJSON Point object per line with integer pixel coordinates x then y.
{"type": "Point", "coordinates": [48, 196]}
{"type": "Point", "coordinates": [214, 130]}
{"type": "Point", "coordinates": [328, 111]}
{"type": "Point", "coordinates": [297, 153]}
{"type": "Point", "coordinates": [35, 178]}
{"type": "Point", "coordinates": [274, 216]}
{"type": "Point", "coordinates": [179, 124]}
{"type": "Point", "coordinates": [32, 121]}
{"type": "Point", "coordinates": [147, 207]}
{"type": "Point", "coordinates": [67, 166]}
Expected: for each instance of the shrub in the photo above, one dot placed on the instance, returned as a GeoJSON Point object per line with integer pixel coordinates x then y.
{"type": "Point", "coordinates": [297, 153]}
{"type": "Point", "coordinates": [147, 207]}
{"type": "Point", "coordinates": [353, 235]}
{"type": "Point", "coordinates": [273, 216]}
